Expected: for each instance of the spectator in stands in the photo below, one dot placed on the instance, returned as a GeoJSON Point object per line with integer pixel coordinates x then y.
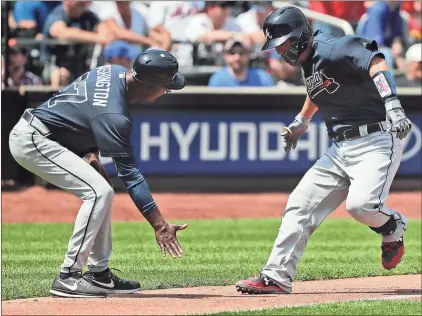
{"type": "Point", "coordinates": [173, 15]}
{"type": "Point", "coordinates": [251, 21]}
{"type": "Point", "coordinates": [71, 21]}
{"type": "Point", "coordinates": [120, 53]}
{"type": "Point", "coordinates": [414, 8]}
{"type": "Point", "coordinates": [31, 15]}
{"type": "Point", "coordinates": [215, 24]}
{"type": "Point", "coordinates": [413, 71]}
{"type": "Point", "coordinates": [18, 76]}
{"type": "Point", "coordinates": [237, 72]}
{"type": "Point", "coordinates": [350, 11]}
{"type": "Point", "coordinates": [384, 24]}
{"type": "Point", "coordinates": [126, 23]}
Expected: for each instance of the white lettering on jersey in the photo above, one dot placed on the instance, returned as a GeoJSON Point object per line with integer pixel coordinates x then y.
{"type": "Point", "coordinates": [102, 86]}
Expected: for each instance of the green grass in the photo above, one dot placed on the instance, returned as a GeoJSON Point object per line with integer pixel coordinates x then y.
{"type": "Point", "coordinates": [345, 308]}
{"type": "Point", "coordinates": [217, 252]}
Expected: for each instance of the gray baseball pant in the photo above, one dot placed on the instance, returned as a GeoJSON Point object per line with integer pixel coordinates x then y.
{"type": "Point", "coordinates": [91, 239]}
{"type": "Point", "coordinates": [359, 171]}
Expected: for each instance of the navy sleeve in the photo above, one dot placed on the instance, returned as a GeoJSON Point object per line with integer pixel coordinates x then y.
{"type": "Point", "coordinates": [354, 53]}
{"type": "Point", "coordinates": [112, 133]}
{"type": "Point", "coordinates": [134, 183]}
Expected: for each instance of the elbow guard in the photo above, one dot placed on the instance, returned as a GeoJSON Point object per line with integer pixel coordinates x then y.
{"type": "Point", "coordinates": [384, 82]}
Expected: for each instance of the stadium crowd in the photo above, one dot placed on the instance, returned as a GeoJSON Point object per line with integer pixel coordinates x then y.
{"type": "Point", "coordinates": [70, 37]}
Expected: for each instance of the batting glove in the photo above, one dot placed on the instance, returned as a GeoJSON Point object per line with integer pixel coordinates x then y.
{"type": "Point", "coordinates": [400, 124]}
{"type": "Point", "coordinates": [292, 133]}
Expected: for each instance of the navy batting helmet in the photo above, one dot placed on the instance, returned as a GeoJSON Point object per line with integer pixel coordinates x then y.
{"type": "Point", "coordinates": [158, 68]}
{"type": "Point", "coordinates": [287, 23]}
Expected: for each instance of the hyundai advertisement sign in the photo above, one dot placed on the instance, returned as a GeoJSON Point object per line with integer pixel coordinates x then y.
{"type": "Point", "coordinates": [232, 144]}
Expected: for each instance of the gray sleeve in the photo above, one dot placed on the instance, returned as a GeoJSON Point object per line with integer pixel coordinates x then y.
{"type": "Point", "coordinates": [112, 133]}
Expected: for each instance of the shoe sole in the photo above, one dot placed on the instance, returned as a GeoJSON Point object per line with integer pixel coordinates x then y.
{"type": "Point", "coordinates": [246, 289]}
{"type": "Point", "coordinates": [123, 291]}
{"type": "Point", "coordinates": [61, 293]}
{"type": "Point", "coordinates": [393, 267]}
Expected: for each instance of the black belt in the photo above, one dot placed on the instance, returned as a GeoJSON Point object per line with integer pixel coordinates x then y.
{"type": "Point", "coordinates": [355, 132]}
{"type": "Point", "coordinates": [36, 123]}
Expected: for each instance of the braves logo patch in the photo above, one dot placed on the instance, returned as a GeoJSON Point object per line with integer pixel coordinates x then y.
{"type": "Point", "coordinates": [319, 82]}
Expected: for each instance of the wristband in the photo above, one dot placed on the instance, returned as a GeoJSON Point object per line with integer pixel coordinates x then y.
{"type": "Point", "coordinates": [302, 120]}
{"type": "Point", "coordinates": [384, 83]}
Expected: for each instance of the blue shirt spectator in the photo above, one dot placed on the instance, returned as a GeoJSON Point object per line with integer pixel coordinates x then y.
{"type": "Point", "coordinates": [33, 14]}
{"type": "Point", "coordinates": [237, 73]}
{"type": "Point", "coordinates": [71, 21]}
{"type": "Point", "coordinates": [120, 53]}
{"type": "Point", "coordinates": [383, 23]}
{"type": "Point", "coordinates": [254, 78]}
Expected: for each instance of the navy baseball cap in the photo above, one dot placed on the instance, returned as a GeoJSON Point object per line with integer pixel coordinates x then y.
{"type": "Point", "coordinates": [120, 49]}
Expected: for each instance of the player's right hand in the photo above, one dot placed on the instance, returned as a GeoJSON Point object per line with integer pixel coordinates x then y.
{"type": "Point", "coordinates": [400, 124]}
{"type": "Point", "coordinates": [292, 133]}
{"type": "Point", "coordinates": [167, 239]}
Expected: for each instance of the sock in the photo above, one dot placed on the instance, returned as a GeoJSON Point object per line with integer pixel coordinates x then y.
{"type": "Point", "coordinates": [65, 275]}
{"type": "Point", "coordinates": [102, 273]}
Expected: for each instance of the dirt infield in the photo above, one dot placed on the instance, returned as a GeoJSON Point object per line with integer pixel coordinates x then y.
{"type": "Point", "coordinates": [219, 299]}
{"type": "Point", "coordinates": [29, 206]}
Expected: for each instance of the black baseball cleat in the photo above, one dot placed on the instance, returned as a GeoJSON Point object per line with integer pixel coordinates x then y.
{"type": "Point", "coordinates": [259, 285]}
{"type": "Point", "coordinates": [110, 282]}
{"type": "Point", "coordinates": [75, 286]}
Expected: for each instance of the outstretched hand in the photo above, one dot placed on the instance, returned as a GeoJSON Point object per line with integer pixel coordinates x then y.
{"type": "Point", "coordinates": [167, 239]}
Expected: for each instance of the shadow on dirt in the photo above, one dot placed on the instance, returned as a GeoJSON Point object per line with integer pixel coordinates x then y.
{"type": "Point", "coordinates": [140, 295]}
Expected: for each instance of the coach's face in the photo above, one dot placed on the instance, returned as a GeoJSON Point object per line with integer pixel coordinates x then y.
{"type": "Point", "coordinates": [153, 94]}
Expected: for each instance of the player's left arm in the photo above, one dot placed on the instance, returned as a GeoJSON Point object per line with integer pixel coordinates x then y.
{"type": "Point", "coordinates": [384, 82]}
{"type": "Point", "coordinates": [112, 133]}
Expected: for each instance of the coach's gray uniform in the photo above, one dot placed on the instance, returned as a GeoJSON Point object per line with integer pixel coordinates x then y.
{"type": "Point", "coordinates": [359, 171]}
{"type": "Point", "coordinates": [88, 115]}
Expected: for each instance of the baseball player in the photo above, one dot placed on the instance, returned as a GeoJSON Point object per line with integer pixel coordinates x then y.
{"type": "Point", "coordinates": [93, 114]}
{"type": "Point", "coordinates": [348, 81]}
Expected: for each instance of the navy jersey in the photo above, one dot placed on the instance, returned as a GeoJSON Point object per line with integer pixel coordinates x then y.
{"type": "Point", "coordinates": [91, 113]}
{"type": "Point", "coordinates": [338, 81]}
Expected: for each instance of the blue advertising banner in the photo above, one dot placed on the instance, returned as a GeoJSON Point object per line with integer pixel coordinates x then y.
{"type": "Point", "coordinates": [235, 143]}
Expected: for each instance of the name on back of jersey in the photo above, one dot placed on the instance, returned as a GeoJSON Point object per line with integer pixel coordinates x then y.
{"type": "Point", "coordinates": [102, 86]}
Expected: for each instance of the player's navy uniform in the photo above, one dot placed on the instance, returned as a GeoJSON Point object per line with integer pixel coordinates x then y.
{"type": "Point", "coordinates": [359, 170]}
{"type": "Point", "coordinates": [89, 114]}
{"type": "Point", "coordinates": [338, 82]}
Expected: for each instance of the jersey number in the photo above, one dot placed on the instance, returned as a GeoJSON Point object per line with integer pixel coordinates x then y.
{"type": "Point", "coordinates": [73, 93]}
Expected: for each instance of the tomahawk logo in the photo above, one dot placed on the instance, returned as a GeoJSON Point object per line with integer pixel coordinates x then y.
{"type": "Point", "coordinates": [267, 34]}
{"type": "Point", "coordinates": [319, 82]}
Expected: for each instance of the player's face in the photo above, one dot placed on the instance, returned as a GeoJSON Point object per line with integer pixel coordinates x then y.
{"type": "Point", "coordinates": [283, 48]}
{"type": "Point", "coordinates": [154, 93]}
